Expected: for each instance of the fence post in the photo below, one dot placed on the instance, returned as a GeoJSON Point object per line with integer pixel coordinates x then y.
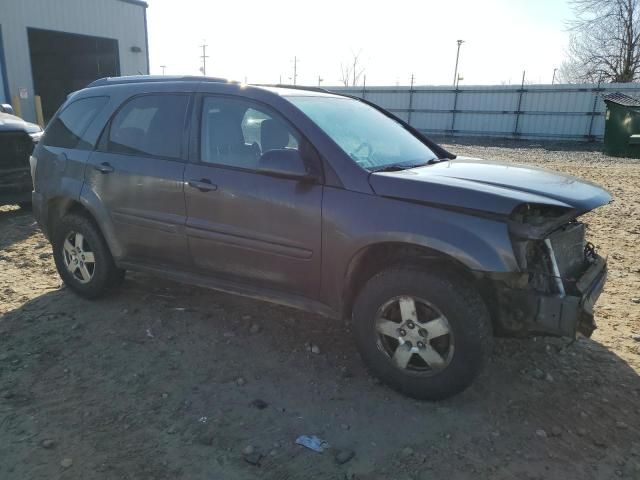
{"type": "Point", "coordinates": [455, 106]}
{"type": "Point", "coordinates": [410, 101]}
{"type": "Point", "coordinates": [515, 130]}
{"type": "Point", "coordinates": [590, 136]}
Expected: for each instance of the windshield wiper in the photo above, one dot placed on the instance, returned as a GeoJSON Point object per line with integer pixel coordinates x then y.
{"type": "Point", "coordinates": [396, 167]}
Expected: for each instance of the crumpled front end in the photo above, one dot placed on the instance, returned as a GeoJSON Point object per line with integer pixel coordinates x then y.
{"type": "Point", "coordinates": [561, 275]}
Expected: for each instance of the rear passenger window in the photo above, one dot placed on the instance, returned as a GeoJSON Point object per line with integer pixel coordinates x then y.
{"type": "Point", "coordinates": [68, 127]}
{"type": "Point", "coordinates": [150, 125]}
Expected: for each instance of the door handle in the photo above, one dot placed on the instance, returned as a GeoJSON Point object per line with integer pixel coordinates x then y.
{"type": "Point", "coordinates": [204, 185]}
{"type": "Point", "coordinates": [104, 167]}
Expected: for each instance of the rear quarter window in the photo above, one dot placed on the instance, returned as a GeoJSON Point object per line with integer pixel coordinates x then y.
{"type": "Point", "coordinates": [67, 129]}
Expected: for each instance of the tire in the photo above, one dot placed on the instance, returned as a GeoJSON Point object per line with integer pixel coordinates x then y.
{"type": "Point", "coordinates": [102, 275]}
{"type": "Point", "coordinates": [441, 303]}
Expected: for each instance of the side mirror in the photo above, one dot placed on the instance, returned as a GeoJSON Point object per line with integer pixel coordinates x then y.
{"type": "Point", "coordinates": [7, 108]}
{"type": "Point", "coordinates": [285, 163]}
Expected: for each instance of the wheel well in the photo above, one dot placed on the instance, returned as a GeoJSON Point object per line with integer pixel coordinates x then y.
{"type": "Point", "coordinates": [376, 258]}
{"type": "Point", "coordinates": [59, 207]}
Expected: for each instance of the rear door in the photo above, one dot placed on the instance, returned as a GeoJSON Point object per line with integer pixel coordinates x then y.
{"type": "Point", "coordinates": [137, 173]}
{"type": "Point", "coordinates": [243, 223]}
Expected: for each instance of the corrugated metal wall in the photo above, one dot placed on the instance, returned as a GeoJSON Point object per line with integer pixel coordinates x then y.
{"type": "Point", "coordinates": [117, 19]}
{"type": "Point", "coordinates": [572, 112]}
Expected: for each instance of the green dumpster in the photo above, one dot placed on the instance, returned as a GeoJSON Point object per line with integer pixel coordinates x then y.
{"type": "Point", "coordinates": [622, 126]}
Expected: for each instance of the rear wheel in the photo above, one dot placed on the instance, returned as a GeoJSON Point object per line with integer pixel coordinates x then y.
{"type": "Point", "coordinates": [424, 334]}
{"type": "Point", "coordinates": [83, 258]}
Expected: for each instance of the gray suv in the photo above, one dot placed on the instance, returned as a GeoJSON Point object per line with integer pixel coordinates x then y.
{"type": "Point", "coordinates": [322, 202]}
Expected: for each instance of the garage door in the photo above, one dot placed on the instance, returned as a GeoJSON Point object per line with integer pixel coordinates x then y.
{"type": "Point", "coordinates": [64, 62]}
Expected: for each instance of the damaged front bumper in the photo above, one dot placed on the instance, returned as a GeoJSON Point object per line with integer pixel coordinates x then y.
{"type": "Point", "coordinates": [522, 309]}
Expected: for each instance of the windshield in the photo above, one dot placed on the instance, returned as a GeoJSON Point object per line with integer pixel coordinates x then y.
{"type": "Point", "coordinates": [372, 140]}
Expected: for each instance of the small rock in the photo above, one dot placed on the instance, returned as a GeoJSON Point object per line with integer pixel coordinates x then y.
{"type": "Point", "coordinates": [636, 338]}
{"type": "Point", "coordinates": [48, 443]}
{"type": "Point", "coordinates": [344, 426]}
{"type": "Point", "coordinates": [228, 334]}
{"type": "Point", "coordinates": [541, 433]}
{"type": "Point", "coordinates": [240, 381]}
{"type": "Point", "coordinates": [248, 450]}
{"type": "Point", "coordinates": [622, 425]}
{"type": "Point", "coordinates": [253, 458]}
{"type": "Point", "coordinates": [259, 404]}
{"type": "Point", "coordinates": [407, 452]}
{"type": "Point", "coordinates": [165, 395]}
{"type": "Point", "coordinates": [556, 431]}
{"type": "Point", "coordinates": [273, 452]}
{"type": "Point", "coordinates": [548, 377]}
{"type": "Point", "coordinates": [172, 429]}
{"type": "Point", "coordinates": [598, 442]}
{"type": "Point", "coordinates": [66, 462]}
{"type": "Point", "coordinates": [255, 328]}
{"type": "Point", "coordinates": [344, 455]}
{"type": "Point", "coordinates": [246, 317]}
{"type": "Point", "coordinates": [581, 431]}
{"type": "Point", "coordinates": [315, 349]}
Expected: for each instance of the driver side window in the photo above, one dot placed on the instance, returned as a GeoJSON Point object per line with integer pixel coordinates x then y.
{"type": "Point", "coordinates": [236, 132]}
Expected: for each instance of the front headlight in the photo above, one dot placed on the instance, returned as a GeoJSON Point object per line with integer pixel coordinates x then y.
{"type": "Point", "coordinates": [36, 136]}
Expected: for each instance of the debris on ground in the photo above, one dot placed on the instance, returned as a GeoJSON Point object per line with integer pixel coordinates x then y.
{"type": "Point", "coordinates": [312, 442]}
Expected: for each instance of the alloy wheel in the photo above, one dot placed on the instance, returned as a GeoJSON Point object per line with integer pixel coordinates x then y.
{"type": "Point", "coordinates": [78, 257]}
{"type": "Point", "coordinates": [414, 335]}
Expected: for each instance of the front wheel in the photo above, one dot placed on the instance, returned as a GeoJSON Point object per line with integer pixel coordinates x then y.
{"type": "Point", "coordinates": [424, 334]}
{"type": "Point", "coordinates": [83, 258]}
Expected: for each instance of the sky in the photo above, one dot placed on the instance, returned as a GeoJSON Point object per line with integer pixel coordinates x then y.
{"type": "Point", "coordinates": [256, 40]}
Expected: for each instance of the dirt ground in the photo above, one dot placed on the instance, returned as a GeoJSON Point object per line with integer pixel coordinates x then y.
{"type": "Point", "coordinates": [164, 381]}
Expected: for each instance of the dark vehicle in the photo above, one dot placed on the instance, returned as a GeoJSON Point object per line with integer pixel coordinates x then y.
{"type": "Point", "coordinates": [321, 202]}
{"type": "Point", "coordinates": [17, 139]}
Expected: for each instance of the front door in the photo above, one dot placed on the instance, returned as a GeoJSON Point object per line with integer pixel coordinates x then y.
{"type": "Point", "coordinates": [137, 172]}
{"type": "Point", "coordinates": [242, 223]}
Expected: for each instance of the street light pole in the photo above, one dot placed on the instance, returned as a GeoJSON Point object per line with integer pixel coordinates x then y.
{"type": "Point", "coordinates": [455, 73]}
{"type": "Point", "coordinates": [553, 79]}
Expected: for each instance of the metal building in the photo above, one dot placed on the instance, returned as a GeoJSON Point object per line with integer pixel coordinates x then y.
{"type": "Point", "coordinates": [51, 48]}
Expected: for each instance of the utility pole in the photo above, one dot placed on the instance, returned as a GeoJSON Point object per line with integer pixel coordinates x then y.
{"type": "Point", "coordinates": [204, 57]}
{"type": "Point", "coordinates": [355, 62]}
{"type": "Point", "coordinates": [455, 73]}
{"type": "Point", "coordinates": [163, 67]}
{"type": "Point", "coordinates": [320, 79]}
{"type": "Point", "coordinates": [295, 69]}
{"type": "Point", "coordinates": [553, 79]}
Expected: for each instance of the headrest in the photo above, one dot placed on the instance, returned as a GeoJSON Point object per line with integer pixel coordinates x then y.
{"type": "Point", "coordinates": [273, 135]}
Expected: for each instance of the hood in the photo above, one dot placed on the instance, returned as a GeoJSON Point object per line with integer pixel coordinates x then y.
{"type": "Point", "coordinates": [495, 187]}
{"type": "Point", "coordinates": [11, 123]}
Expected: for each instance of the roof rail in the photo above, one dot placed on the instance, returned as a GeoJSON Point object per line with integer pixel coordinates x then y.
{"type": "Point", "coordinates": [154, 78]}
{"type": "Point", "coordinates": [295, 87]}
